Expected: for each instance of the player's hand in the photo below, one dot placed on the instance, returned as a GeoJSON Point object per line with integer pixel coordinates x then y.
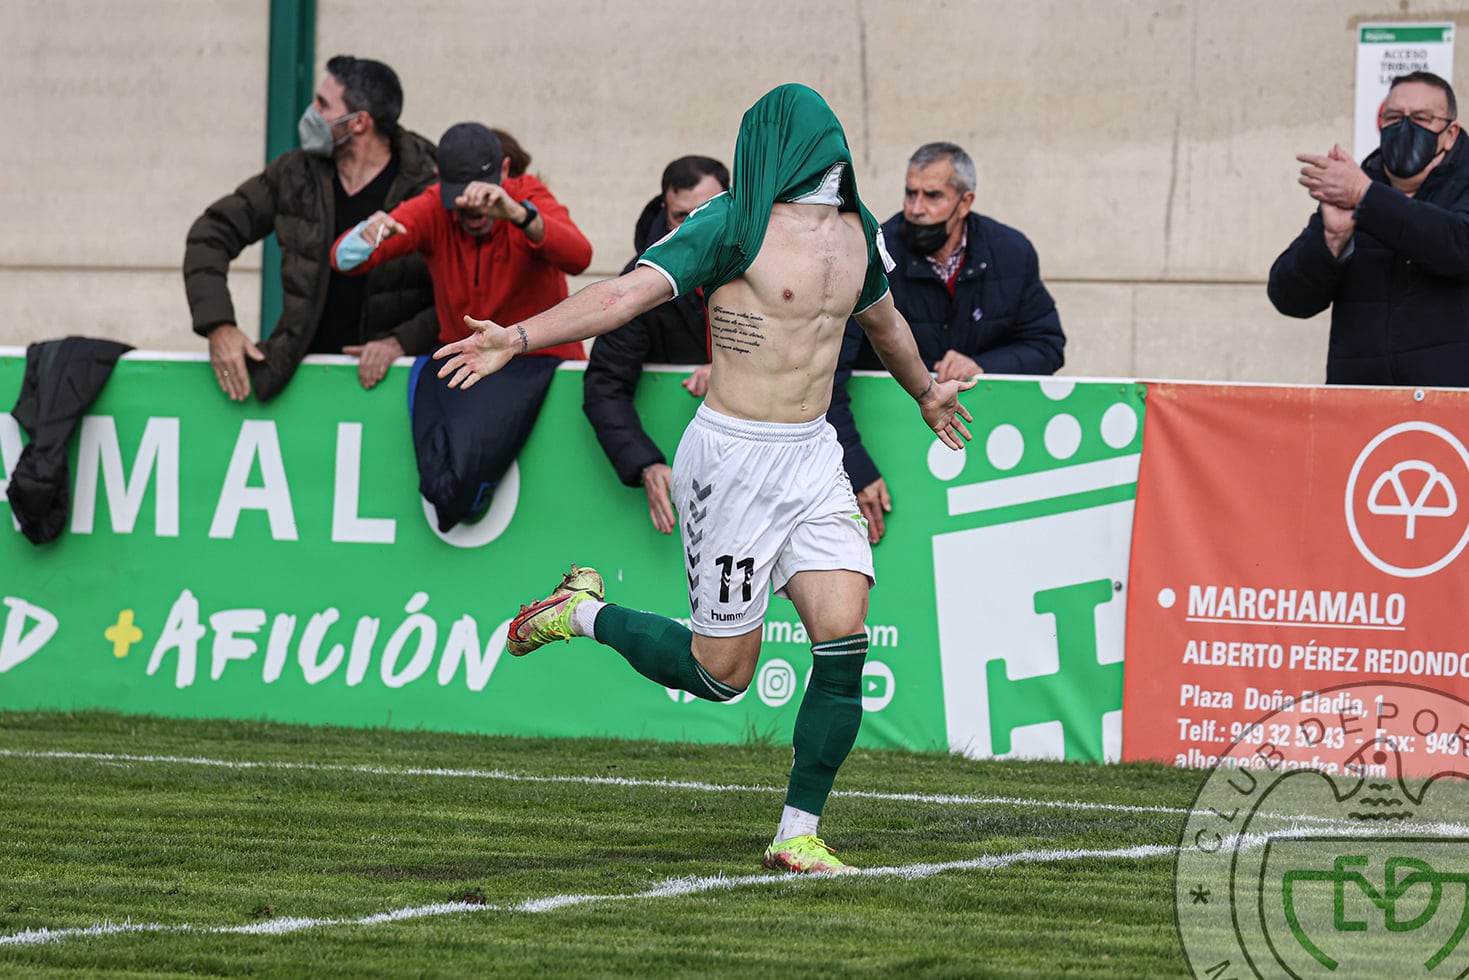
{"type": "Point", "coordinates": [697, 384]}
{"type": "Point", "coordinates": [954, 366]}
{"type": "Point", "coordinates": [484, 198]}
{"type": "Point", "coordinates": [374, 358]}
{"type": "Point", "coordinates": [380, 227]}
{"type": "Point", "coordinates": [1334, 178]}
{"type": "Point", "coordinates": [479, 355]}
{"type": "Point", "coordinates": [874, 502]}
{"type": "Point", "coordinates": [228, 348]}
{"type": "Point", "coordinates": [942, 411]}
{"type": "Point", "coordinates": [658, 484]}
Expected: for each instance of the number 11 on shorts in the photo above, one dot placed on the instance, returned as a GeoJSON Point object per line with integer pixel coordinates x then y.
{"type": "Point", "coordinates": [727, 565]}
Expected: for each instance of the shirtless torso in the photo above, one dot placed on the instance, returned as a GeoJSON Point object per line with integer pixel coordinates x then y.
{"type": "Point", "coordinates": [776, 330]}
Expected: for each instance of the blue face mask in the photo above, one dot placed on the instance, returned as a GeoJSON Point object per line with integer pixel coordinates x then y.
{"type": "Point", "coordinates": [1408, 148]}
{"type": "Point", "coordinates": [315, 132]}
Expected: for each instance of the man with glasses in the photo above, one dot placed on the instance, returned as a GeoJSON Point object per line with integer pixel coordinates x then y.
{"type": "Point", "coordinates": [354, 161]}
{"type": "Point", "coordinates": [1388, 248]}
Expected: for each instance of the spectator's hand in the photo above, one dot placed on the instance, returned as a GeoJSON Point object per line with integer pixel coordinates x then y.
{"type": "Point", "coordinates": [954, 366]}
{"type": "Point", "coordinates": [374, 359]}
{"type": "Point", "coordinates": [1340, 225]}
{"type": "Point", "coordinates": [480, 354]}
{"type": "Point", "coordinates": [942, 411]}
{"type": "Point", "coordinates": [874, 502]}
{"type": "Point", "coordinates": [483, 198]}
{"type": "Point", "coordinates": [658, 484]}
{"type": "Point", "coordinates": [1334, 179]}
{"type": "Point", "coordinates": [228, 348]}
{"type": "Point", "coordinates": [380, 227]}
{"type": "Point", "coordinates": [697, 384]}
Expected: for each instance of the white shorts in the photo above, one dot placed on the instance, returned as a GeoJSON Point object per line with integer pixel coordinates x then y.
{"type": "Point", "coordinates": [759, 502]}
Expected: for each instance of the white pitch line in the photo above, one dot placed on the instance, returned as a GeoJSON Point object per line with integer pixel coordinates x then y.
{"type": "Point", "coordinates": [513, 777]}
{"type": "Point", "coordinates": [941, 799]}
{"type": "Point", "coordinates": [670, 888]}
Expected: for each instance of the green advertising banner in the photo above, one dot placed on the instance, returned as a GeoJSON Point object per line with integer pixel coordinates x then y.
{"type": "Point", "coordinates": [276, 561]}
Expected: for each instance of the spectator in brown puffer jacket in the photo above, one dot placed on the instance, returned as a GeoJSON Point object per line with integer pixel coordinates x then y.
{"type": "Point", "coordinates": [354, 160]}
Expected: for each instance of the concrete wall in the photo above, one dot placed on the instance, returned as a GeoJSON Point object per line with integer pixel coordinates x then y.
{"type": "Point", "coordinates": [1147, 147]}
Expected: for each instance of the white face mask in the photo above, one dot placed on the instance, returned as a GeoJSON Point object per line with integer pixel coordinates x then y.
{"type": "Point", "coordinates": [315, 132]}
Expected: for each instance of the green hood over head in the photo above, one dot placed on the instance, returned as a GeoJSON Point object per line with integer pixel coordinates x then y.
{"type": "Point", "coordinates": [789, 142]}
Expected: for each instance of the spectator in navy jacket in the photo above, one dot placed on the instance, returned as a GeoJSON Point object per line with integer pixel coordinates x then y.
{"type": "Point", "coordinates": [1388, 247]}
{"type": "Point", "coordinates": [971, 290]}
{"type": "Point", "coordinates": [675, 333]}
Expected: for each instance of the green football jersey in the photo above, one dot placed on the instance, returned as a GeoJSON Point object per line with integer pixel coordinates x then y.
{"type": "Point", "coordinates": [691, 255]}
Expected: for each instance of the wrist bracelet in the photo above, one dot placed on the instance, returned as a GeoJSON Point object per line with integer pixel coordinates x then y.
{"type": "Point", "coordinates": [524, 340]}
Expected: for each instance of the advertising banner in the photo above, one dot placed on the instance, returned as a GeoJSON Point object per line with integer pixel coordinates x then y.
{"type": "Point", "coordinates": [276, 561]}
{"type": "Point", "coordinates": [1030, 555]}
{"type": "Point", "coordinates": [1289, 542]}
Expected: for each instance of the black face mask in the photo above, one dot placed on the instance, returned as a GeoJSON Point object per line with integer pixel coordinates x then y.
{"type": "Point", "coordinates": [924, 239]}
{"type": "Point", "coordinates": [1408, 148]}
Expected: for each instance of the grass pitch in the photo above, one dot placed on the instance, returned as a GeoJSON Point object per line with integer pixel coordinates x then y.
{"type": "Point", "coordinates": [153, 847]}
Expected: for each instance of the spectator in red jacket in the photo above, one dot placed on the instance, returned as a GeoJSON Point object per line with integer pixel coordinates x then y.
{"type": "Point", "coordinates": [498, 247]}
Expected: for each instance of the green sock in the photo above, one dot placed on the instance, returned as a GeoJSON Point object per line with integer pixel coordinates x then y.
{"type": "Point", "coordinates": [826, 725]}
{"type": "Point", "coordinates": [659, 649]}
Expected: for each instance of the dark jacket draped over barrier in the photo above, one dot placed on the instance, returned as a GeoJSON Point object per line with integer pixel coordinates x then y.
{"type": "Point", "coordinates": [62, 379]}
{"type": "Point", "coordinates": [466, 439]}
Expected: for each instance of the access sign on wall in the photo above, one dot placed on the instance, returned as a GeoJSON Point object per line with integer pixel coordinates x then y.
{"type": "Point", "coordinates": [1385, 51]}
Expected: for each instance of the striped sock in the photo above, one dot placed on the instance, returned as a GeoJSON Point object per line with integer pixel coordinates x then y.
{"type": "Point", "coordinates": [827, 723]}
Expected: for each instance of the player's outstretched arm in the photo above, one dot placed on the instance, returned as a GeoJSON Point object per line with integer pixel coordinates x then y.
{"type": "Point", "coordinates": [593, 311]}
{"type": "Point", "coordinates": [892, 338]}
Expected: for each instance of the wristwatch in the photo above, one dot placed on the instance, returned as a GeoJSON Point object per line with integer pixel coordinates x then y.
{"type": "Point", "coordinates": [530, 215]}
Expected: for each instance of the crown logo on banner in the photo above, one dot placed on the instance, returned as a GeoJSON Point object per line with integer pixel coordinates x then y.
{"type": "Point", "coordinates": [1030, 583]}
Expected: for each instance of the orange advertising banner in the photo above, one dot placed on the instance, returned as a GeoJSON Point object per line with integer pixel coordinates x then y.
{"type": "Point", "coordinates": [1292, 548]}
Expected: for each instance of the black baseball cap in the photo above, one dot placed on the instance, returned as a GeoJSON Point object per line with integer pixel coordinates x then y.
{"type": "Point", "coordinates": [467, 152]}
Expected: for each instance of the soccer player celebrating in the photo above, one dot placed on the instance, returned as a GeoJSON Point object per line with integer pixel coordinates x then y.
{"type": "Point", "coordinates": [784, 257]}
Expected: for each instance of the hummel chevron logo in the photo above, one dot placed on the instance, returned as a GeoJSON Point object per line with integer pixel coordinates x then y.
{"type": "Point", "coordinates": [694, 604]}
{"type": "Point", "coordinates": [693, 580]}
{"type": "Point", "coordinates": [702, 492]}
{"type": "Point", "coordinates": [695, 537]}
{"type": "Point", "coordinates": [693, 559]}
{"type": "Point", "coordinates": [695, 514]}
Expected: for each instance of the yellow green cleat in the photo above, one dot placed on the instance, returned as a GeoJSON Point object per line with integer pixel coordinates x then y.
{"type": "Point", "coordinates": [550, 618]}
{"type": "Point", "coordinates": [806, 854]}
{"type": "Point", "coordinates": [582, 580]}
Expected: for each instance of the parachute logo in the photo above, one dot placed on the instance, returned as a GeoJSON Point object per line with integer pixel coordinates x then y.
{"type": "Point", "coordinates": [1423, 504]}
